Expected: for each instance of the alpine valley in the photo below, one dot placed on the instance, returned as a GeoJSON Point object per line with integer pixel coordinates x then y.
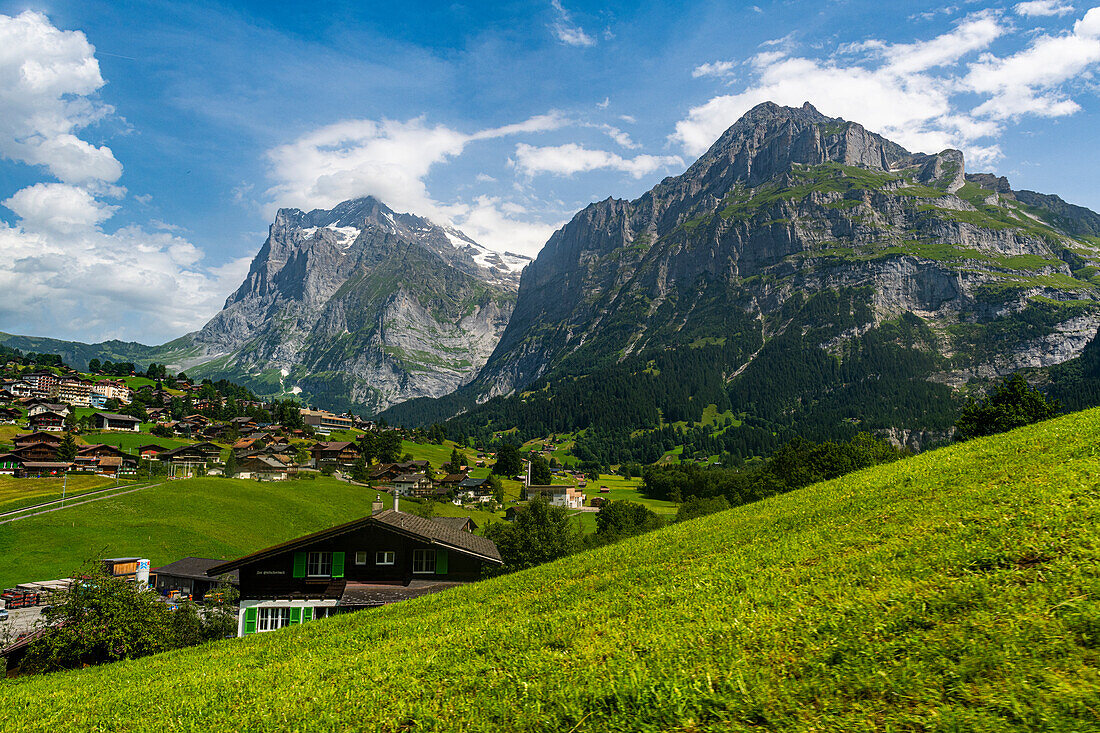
{"type": "Point", "coordinates": [804, 275]}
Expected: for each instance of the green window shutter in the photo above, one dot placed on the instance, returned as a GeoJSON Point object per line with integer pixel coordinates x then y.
{"type": "Point", "coordinates": [337, 564]}
{"type": "Point", "coordinates": [250, 620]}
{"type": "Point", "coordinates": [307, 614]}
{"type": "Point", "coordinates": [295, 615]}
{"type": "Point", "coordinates": [299, 564]}
{"type": "Point", "coordinates": [440, 562]}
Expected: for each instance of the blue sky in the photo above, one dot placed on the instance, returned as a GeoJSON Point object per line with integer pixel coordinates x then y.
{"type": "Point", "coordinates": [146, 146]}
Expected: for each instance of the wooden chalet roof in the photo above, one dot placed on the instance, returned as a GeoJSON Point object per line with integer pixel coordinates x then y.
{"type": "Point", "coordinates": [408, 524]}
{"type": "Point", "coordinates": [36, 437]}
{"type": "Point", "coordinates": [113, 416]}
{"type": "Point", "coordinates": [194, 568]}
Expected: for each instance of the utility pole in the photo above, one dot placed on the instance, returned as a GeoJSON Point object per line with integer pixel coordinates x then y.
{"type": "Point", "coordinates": [64, 484]}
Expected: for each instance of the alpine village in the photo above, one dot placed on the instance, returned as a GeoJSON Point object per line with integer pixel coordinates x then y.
{"type": "Point", "coordinates": [806, 436]}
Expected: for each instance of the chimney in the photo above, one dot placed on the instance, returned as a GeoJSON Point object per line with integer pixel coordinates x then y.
{"type": "Point", "coordinates": [396, 500]}
{"type": "Point", "coordinates": [377, 505]}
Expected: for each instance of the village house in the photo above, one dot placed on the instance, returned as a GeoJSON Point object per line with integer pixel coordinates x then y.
{"type": "Point", "coordinates": [413, 484]}
{"type": "Point", "coordinates": [337, 454]}
{"type": "Point", "coordinates": [325, 422]}
{"type": "Point", "coordinates": [383, 558]}
{"type": "Point", "coordinates": [187, 578]}
{"type": "Point", "coordinates": [49, 420]}
{"type": "Point", "coordinates": [112, 421]}
{"type": "Point", "coordinates": [9, 415]}
{"type": "Point", "coordinates": [75, 392]}
{"type": "Point", "coordinates": [563, 495]}
{"type": "Point", "coordinates": [265, 468]}
{"type": "Point", "coordinates": [37, 407]}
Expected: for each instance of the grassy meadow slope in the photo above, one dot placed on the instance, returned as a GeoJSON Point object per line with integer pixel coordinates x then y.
{"type": "Point", "coordinates": [957, 590]}
{"type": "Point", "coordinates": [201, 517]}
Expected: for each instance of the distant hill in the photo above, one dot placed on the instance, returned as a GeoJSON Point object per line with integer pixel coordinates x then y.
{"type": "Point", "coordinates": [956, 590]}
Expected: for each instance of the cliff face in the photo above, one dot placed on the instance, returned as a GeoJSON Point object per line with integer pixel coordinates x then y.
{"type": "Point", "coordinates": [360, 307]}
{"type": "Point", "coordinates": [788, 205]}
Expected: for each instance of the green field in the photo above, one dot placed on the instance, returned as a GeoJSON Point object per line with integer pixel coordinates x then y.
{"type": "Point", "coordinates": [626, 489]}
{"type": "Point", "coordinates": [130, 441]}
{"type": "Point", "coordinates": [955, 591]}
{"type": "Point", "coordinates": [20, 492]}
{"type": "Point", "coordinates": [202, 517]}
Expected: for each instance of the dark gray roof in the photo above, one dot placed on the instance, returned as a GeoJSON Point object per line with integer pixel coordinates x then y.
{"type": "Point", "coordinates": [455, 522]}
{"type": "Point", "coordinates": [410, 524]}
{"type": "Point", "coordinates": [115, 416]}
{"type": "Point", "coordinates": [195, 568]}
{"type": "Point", "coordinates": [440, 533]}
{"type": "Point", "coordinates": [379, 594]}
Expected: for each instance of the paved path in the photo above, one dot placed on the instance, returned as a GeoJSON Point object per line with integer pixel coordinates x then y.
{"type": "Point", "coordinates": [20, 621]}
{"type": "Point", "coordinates": [58, 505]}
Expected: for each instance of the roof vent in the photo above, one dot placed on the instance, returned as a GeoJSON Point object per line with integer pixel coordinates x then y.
{"type": "Point", "coordinates": [377, 505]}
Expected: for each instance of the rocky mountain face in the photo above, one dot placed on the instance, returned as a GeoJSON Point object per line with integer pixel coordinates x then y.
{"type": "Point", "coordinates": [798, 240]}
{"type": "Point", "coordinates": [360, 307]}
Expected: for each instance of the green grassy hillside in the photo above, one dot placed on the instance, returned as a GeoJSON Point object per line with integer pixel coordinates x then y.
{"type": "Point", "coordinates": [201, 517]}
{"type": "Point", "coordinates": [957, 590]}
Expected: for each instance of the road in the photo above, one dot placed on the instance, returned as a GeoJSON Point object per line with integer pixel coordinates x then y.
{"type": "Point", "coordinates": [20, 621]}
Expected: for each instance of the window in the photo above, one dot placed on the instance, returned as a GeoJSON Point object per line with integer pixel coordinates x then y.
{"type": "Point", "coordinates": [319, 564]}
{"type": "Point", "coordinates": [323, 612]}
{"type": "Point", "coordinates": [384, 557]}
{"type": "Point", "coordinates": [361, 558]}
{"type": "Point", "coordinates": [423, 561]}
{"type": "Point", "coordinates": [269, 619]}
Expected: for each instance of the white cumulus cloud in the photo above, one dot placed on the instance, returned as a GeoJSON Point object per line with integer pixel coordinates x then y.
{"type": "Point", "coordinates": [66, 275]}
{"type": "Point", "coordinates": [714, 68]}
{"type": "Point", "coordinates": [1043, 8]}
{"type": "Point", "coordinates": [946, 91]}
{"type": "Point", "coordinates": [47, 79]}
{"type": "Point", "coordinates": [571, 158]}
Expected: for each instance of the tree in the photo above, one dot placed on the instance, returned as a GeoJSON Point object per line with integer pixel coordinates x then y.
{"type": "Point", "coordinates": [621, 519]}
{"type": "Point", "coordinates": [389, 446]}
{"type": "Point", "coordinates": [426, 509]}
{"type": "Point", "coordinates": [497, 487]}
{"type": "Point", "coordinates": [67, 450]}
{"type": "Point", "coordinates": [101, 619]}
{"type": "Point", "coordinates": [231, 465]}
{"type": "Point", "coordinates": [539, 534]}
{"type": "Point", "coordinates": [359, 470]}
{"type": "Point", "coordinates": [508, 462]}
{"type": "Point", "coordinates": [1011, 404]}
{"type": "Point", "coordinates": [94, 366]}
{"type": "Point", "coordinates": [700, 507]}
{"type": "Point", "coordinates": [540, 471]}
{"type": "Point", "coordinates": [457, 461]}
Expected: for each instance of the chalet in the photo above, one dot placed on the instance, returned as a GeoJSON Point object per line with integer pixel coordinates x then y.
{"type": "Point", "coordinates": [9, 464]}
{"type": "Point", "coordinates": [112, 421]}
{"type": "Point", "coordinates": [563, 495]}
{"type": "Point", "coordinates": [9, 415]}
{"type": "Point", "coordinates": [452, 480]}
{"type": "Point", "coordinates": [25, 439]}
{"type": "Point", "coordinates": [244, 424]}
{"type": "Point", "coordinates": [474, 488]}
{"type": "Point", "coordinates": [266, 468]}
{"type": "Point", "coordinates": [6, 396]}
{"type": "Point", "coordinates": [338, 454]}
{"type": "Point", "coordinates": [105, 459]}
{"type": "Point", "coordinates": [151, 451]}
{"type": "Point", "coordinates": [42, 469]}
{"type": "Point", "coordinates": [383, 558]}
{"type": "Point", "coordinates": [413, 484]}
{"type": "Point", "coordinates": [47, 421]}
{"type": "Point", "coordinates": [37, 407]}
{"type": "Point", "coordinates": [188, 578]}
{"type": "Point", "coordinates": [20, 389]}
{"type": "Point", "coordinates": [38, 451]}
{"type": "Point", "coordinates": [464, 524]}
{"type": "Point", "coordinates": [197, 453]}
